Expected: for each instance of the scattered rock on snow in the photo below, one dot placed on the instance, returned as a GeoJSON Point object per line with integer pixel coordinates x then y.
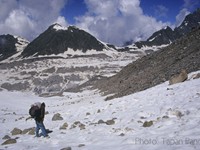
{"type": "Point", "coordinates": [165, 117]}
{"type": "Point", "coordinates": [148, 123]}
{"type": "Point", "coordinates": [122, 134]}
{"type": "Point", "coordinates": [16, 131]}
{"type": "Point", "coordinates": [81, 145]}
{"type": "Point", "coordinates": [57, 117]}
{"type": "Point", "coordinates": [32, 131]}
{"type": "Point", "coordinates": [66, 148]}
{"type": "Point", "coordinates": [6, 137]}
{"type": "Point", "coordinates": [78, 124]}
{"type": "Point", "coordinates": [64, 126]}
{"type": "Point", "coordinates": [128, 129]}
{"type": "Point", "coordinates": [178, 114]}
{"type": "Point", "coordinates": [101, 121]}
{"type": "Point", "coordinates": [87, 114]}
{"type": "Point", "coordinates": [110, 122]}
{"type": "Point", "coordinates": [81, 126]}
{"type": "Point", "coordinates": [9, 141]}
{"type": "Point", "coordinates": [28, 130]}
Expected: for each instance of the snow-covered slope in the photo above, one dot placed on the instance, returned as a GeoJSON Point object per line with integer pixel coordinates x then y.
{"type": "Point", "coordinates": [172, 112]}
{"type": "Point", "coordinates": [20, 46]}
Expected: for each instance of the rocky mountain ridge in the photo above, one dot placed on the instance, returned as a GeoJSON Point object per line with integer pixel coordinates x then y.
{"type": "Point", "coordinates": [57, 39]}
{"type": "Point", "coordinates": [155, 68]}
{"type": "Point", "coordinates": [167, 35]}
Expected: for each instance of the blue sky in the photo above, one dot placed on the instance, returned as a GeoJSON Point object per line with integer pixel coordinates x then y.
{"type": "Point", "coordinates": [73, 9]}
{"type": "Point", "coordinates": [164, 10]}
{"type": "Point", "coordinates": [112, 21]}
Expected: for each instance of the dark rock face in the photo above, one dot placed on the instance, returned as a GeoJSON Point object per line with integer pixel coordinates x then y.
{"type": "Point", "coordinates": [190, 22]}
{"type": "Point", "coordinates": [167, 35]}
{"type": "Point", "coordinates": [7, 46]}
{"type": "Point", "coordinates": [54, 41]}
{"type": "Point", "coordinates": [155, 68]}
{"type": "Point", "coordinates": [164, 36]}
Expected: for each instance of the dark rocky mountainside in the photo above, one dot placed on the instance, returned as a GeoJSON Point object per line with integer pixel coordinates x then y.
{"type": "Point", "coordinates": [167, 35]}
{"type": "Point", "coordinates": [155, 68]}
{"type": "Point", "coordinates": [7, 46]}
{"type": "Point", "coordinates": [191, 21]}
{"type": "Point", "coordinates": [55, 41]}
{"type": "Point", "coordinates": [10, 45]}
{"type": "Point", "coordinates": [163, 36]}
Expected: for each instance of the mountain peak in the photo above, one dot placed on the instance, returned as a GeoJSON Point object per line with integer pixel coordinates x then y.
{"type": "Point", "coordinates": [57, 27]}
{"type": "Point", "coordinates": [58, 39]}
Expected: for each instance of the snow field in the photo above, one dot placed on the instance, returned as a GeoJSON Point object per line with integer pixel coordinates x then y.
{"type": "Point", "coordinates": [174, 111]}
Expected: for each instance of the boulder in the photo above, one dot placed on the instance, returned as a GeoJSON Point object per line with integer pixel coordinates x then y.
{"type": "Point", "coordinates": [101, 121]}
{"type": "Point", "coordinates": [66, 148]}
{"type": "Point", "coordinates": [16, 131]}
{"type": "Point", "coordinates": [57, 117]}
{"type": "Point", "coordinates": [81, 145]}
{"type": "Point", "coordinates": [148, 123]}
{"type": "Point", "coordinates": [64, 126]}
{"type": "Point", "coordinates": [9, 141]}
{"type": "Point", "coordinates": [181, 77]}
{"type": "Point", "coordinates": [110, 122]}
{"type": "Point", "coordinates": [78, 124]}
{"type": "Point", "coordinates": [122, 134]}
{"type": "Point", "coordinates": [6, 137]}
{"type": "Point", "coordinates": [30, 131]}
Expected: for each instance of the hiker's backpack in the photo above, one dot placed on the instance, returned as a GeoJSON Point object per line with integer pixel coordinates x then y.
{"type": "Point", "coordinates": [34, 111]}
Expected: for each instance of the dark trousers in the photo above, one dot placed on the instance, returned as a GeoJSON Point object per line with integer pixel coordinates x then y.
{"type": "Point", "coordinates": [40, 125]}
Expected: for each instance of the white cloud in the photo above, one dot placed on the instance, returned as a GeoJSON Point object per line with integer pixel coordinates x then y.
{"type": "Point", "coordinates": [115, 21]}
{"type": "Point", "coordinates": [161, 11]}
{"type": "Point", "coordinates": [18, 23]}
{"type": "Point", "coordinates": [181, 16]}
{"type": "Point", "coordinates": [118, 21]}
{"type": "Point", "coordinates": [61, 20]}
{"type": "Point", "coordinates": [28, 18]}
{"type": "Point", "coordinates": [188, 6]}
{"type": "Point", "coordinates": [5, 7]}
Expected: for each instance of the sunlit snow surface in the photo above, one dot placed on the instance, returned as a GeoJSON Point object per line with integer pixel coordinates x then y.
{"type": "Point", "coordinates": [129, 113]}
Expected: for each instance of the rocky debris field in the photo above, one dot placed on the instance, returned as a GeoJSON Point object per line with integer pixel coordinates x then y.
{"type": "Point", "coordinates": [155, 68]}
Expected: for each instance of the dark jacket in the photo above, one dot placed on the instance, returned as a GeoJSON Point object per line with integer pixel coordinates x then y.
{"type": "Point", "coordinates": [40, 113]}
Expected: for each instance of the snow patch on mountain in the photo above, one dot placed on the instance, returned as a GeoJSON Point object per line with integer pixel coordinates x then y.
{"type": "Point", "coordinates": [20, 46]}
{"type": "Point", "coordinates": [21, 43]}
{"type": "Point", "coordinates": [58, 27]}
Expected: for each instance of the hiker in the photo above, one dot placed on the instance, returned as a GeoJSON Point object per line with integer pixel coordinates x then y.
{"type": "Point", "coordinates": [39, 113]}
